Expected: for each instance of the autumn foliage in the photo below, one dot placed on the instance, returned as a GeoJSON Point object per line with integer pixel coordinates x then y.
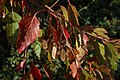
{"type": "Point", "coordinates": [86, 52]}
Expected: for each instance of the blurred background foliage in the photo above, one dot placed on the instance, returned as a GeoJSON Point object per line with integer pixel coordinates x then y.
{"type": "Point", "coordinates": [99, 13]}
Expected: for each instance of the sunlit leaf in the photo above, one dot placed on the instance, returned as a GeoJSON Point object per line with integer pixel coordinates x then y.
{"type": "Point", "coordinates": [35, 72]}
{"type": "Point", "coordinates": [98, 54]}
{"type": "Point", "coordinates": [73, 15]}
{"type": "Point", "coordinates": [101, 32]}
{"type": "Point", "coordinates": [29, 30]}
{"type": "Point", "coordinates": [102, 50]}
{"type": "Point", "coordinates": [54, 51]}
{"type": "Point", "coordinates": [76, 44]}
{"type": "Point", "coordinates": [73, 67]}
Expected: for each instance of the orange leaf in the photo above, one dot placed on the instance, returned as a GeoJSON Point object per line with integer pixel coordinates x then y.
{"type": "Point", "coordinates": [73, 67]}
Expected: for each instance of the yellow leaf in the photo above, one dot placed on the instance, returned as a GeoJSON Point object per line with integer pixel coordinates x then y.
{"type": "Point", "coordinates": [76, 43]}
{"type": "Point", "coordinates": [65, 12]}
{"type": "Point", "coordinates": [49, 58]}
{"type": "Point", "coordinates": [101, 32]}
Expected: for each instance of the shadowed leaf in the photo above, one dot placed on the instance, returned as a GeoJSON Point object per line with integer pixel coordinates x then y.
{"type": "Point", "coordinates": [72, 15]}
{"type": "Point", "coordinates": [27, 76]}
{"type": "Point", "coordinates": [35, 72]}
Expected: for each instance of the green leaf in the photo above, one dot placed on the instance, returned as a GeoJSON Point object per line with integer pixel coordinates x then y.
{"type": "Point", "coordinates": [102, 50]}
{"type": "Point", "coordinates": [112, 55]}
{"type": "Point", "coordinates": [37, 48]}
{"type": "Point", "coordinates": [12, 17]}
{"type": "Point", "coordinates": [41, 32]}
{"type": "Point", "coordinates": [112, 50]}
{"type": "Point", "coordinates": [98, 52]}
{"type": "Point", "coordinates": [101, 32]}
{"type": "Point", "coordinates": [11, 32]}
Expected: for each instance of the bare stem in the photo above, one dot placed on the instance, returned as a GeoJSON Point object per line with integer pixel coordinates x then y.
{"type": "Point", "coordinates": [49, 8]}
{"type": "Point", "coordinates": [54, 4]}
{"type": "Point", "coordinates": [68, 1]}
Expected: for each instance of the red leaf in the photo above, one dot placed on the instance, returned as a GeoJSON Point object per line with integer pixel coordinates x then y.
{"type": "Point", "coordinates": [20, 66]}
{"type": "Point", "coordinates": [56, 35]}
{"type": "Point", "coordinates": [85, 38]}
{"type": "Point", "coordinates": [73, 67]}
{"type": "Point", "coordinates": [1, 1]}
{"type": "Point", "coordinates": [29, 30]}
{"type": "Point", "coordinates": [23, 4]}
{"type": "Point", "coordinates": [66, 33]}
{"type": "Point", "coordinates": [27, 76]}
{"type": "Point", "coordinates": [35, 72]}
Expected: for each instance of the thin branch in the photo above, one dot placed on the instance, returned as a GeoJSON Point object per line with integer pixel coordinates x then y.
{"type": "Point", "coordinates": [68, 1]}
{"type": "Point", "coordinates": [54, 4]}
{"type": "Point", "coordinates": [49, 8]}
